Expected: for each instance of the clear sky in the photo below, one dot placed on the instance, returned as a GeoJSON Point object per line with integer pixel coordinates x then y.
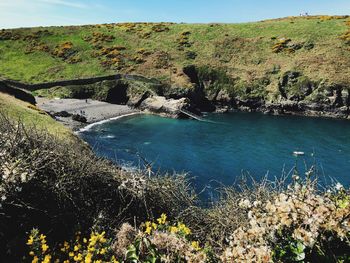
{"type": "Point", "coordinates": [19, 13]}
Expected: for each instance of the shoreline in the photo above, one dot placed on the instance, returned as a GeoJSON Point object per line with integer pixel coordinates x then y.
{"type": "Point", "coordinates": [79, 115]}
{"type": "Point", "coordinates": [89, 126]}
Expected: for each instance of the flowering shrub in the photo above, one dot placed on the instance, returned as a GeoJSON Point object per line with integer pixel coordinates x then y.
{"type": "Point", "coordinates": [183, 40]}
{"type": "Point", "coordinates": [281, 45]}
{"type": "Point", "coordinates": [98, 37]}
{"type": "Point", "coordinates": [67, 52]}
{"type": "Point", "coordinates": [297, 224]}
{"type": "Point", "coordinates": [157, 241]}
{"type": "Point", "coordinates": [95, 249]}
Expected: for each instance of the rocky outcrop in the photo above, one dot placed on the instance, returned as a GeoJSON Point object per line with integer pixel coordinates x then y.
{"type": "Point", "coordinates": [167, 107]}
{"type": "Point", "coordinates": [79, 118]}
{"type": "Point", "coordinates": [294, 86]}
{"type": "Point", "coordinates": [212, 90]}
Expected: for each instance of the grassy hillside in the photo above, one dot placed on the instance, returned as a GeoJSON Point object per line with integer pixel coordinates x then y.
{"type": "Point", "coordinates": [317, 46]}
{"type": "Point", "coordinates": [31, 116]}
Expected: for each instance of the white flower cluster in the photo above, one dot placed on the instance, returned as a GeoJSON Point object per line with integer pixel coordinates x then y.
{"type": "Point", "coordinates": [299, 211]}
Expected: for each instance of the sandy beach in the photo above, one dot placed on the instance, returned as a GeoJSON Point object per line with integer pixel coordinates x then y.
{"type": "Point", "coordinates": [92, 110]}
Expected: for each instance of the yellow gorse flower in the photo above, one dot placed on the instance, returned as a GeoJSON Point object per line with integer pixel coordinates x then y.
{"type": "Point", "coordinates": [78, 257]}
{"type": "Point", "coordinates": [88, 257]}
{"type": "Point", "coordinates": [148, 226]}
{"type": "Point", "coordinates": [183, 228]}
{"type": "Point", "coordinates": [30, 240]}
{"type": "Point", "coordinates": [114, 260]}
{"type": "Point", "coordinates": [173, 229]}
{"type": "Point", "coordinates": [162, 219]}
{"type": "Point", "coordinates": [35, 259]}
{"type": "Point", "coordinates": [195, 245]}
{"type": "Point", "coordinates": [44, 247]}
{"type": "Point", "coordinates": [47, 259]}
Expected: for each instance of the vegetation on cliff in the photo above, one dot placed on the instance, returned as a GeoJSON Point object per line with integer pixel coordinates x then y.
{"type": "Point", "coordinates": [315, 45]}
{"type": "Point", "coordinates": [294, 64]}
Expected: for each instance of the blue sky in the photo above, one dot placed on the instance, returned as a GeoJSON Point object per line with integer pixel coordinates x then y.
{"type": "Point", "coordinates": [19, 13]}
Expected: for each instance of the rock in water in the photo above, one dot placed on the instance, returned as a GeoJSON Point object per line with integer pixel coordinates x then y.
{"type": "Point", "coordinates": [168, 107]}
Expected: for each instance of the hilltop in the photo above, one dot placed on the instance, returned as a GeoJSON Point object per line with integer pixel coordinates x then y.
{"type": "Point", "coordinates": [246, 51]}
{"type": "Point", "coordinates": [294, 64]}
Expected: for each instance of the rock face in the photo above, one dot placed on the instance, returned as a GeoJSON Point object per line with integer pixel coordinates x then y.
{"type": "Point", "coordinates": [294, 86]}
{"type": "Point", "coordinates": [163, 106]}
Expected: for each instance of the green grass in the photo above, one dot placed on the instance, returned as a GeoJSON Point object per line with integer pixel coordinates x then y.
{"type": "Point", "coordinates": [244, 50]}
{"type": "Point", "coordinates": [30, 116]}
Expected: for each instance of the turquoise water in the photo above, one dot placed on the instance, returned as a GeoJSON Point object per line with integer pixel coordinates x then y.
{"type": "Point", "coordinates": [220, 150]}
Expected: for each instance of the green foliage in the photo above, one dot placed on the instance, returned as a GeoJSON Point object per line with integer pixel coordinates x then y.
{"type": "Point", "coordinates": [253, 90]}
{"type": "Point", "coordinates": [218, 45]}
{"type": "Point", "coordinates": [289, 250]}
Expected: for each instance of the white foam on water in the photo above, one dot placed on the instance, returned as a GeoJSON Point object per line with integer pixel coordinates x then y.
{"type": "Point", "coordinates": [88, 127]}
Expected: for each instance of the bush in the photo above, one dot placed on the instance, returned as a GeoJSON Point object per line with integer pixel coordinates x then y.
{"type": "Point", "coordinates": [158, 241]}
{"type": "Point", "coordinates": [62, 188]}
{"type": "Point", "coordinates": [79, 189]}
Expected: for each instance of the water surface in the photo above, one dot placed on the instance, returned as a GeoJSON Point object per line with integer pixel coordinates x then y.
{"type": "Point", "coordinates": [230, 144]}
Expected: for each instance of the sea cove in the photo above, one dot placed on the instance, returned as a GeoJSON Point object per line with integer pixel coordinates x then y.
{"type": "Point", "coordinates": [227, 145]}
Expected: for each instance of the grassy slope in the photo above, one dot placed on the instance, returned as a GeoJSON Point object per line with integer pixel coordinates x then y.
{"type": "Point", "coordinates": [245, 50]}
{"type": "Point", "coordinates": [20, 110]}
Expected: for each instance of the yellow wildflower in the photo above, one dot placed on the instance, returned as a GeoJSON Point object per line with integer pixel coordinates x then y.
{"type": "Point", "coordinates": [76, 248]}
{"type": "Point", "coordinates": [47, 259]}
{"type": "Point", "coordinates": [85, 240]}
{"type": "Point", "coordinates": [78, 257]}
{"type": "Point", "coordinates": [88, 258]}
{"type": "Point", "coordinates": [31, 253]}
{"type": "Point", "coordinates": [30, 240]}
{"type": "Point", "coordinates": [35, 259]}
{"type": "Point", "coordinates": [174, 229]}
{"type": "Point", "coordinates": [154, 225]}
{"type": "Point", "coordinates": [44, 247]}
{"type": "Point", "coordinates": [102, 238]}
{"type": "Point", "coordinates": [114, 260]}
{"type": "Point", "coordinates": [162, 219]}
{"type": "Point", "coordinates": [183, 228]}
{"type": "Point", "coordinates": [148, 226]}
{"type": "Point", "coordinates": [103, 251]}
{"type": "Point", "coordinates": [71, 254]}
{"type": "Point", "coordinates": [195, 245]}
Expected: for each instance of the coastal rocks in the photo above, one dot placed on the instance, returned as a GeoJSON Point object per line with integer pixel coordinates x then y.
{"type": "Point", "coordinates": [79, 118]}
{"type": "Point", "coordinates": [63, 114]}
{"type": "Point", "coordinates": [223, 98]}
{"type": "Point", "coordinates": [294, 86]}
{"type": "Point", "coordinates": [136, 98]}
{"type": "Point", "coordinates": [168, 107]}
{"type": "Point", "coordinates": [176, 92]}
